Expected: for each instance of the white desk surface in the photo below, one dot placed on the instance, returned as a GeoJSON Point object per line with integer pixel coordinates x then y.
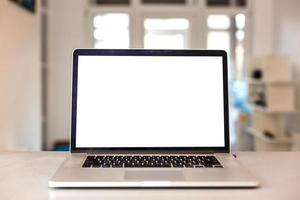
{"type": "Point", "coordinates": [25, 175]}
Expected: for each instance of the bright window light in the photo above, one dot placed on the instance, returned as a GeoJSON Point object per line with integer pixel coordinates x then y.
{"type": "Point", "coordinates": [169, 24]}
{"type": "Point", "coordinates": [218, 22]}
{"type": "Point", "coordinates": [166, 33]}
{"type": "Point", "coordinates": [219, 40]}
{"type": "Point", "coordinates": [155, 41]}
{"type": "Point", "coordinates": [240, 35]}
{"type": "Point", "coordinates": [111, 20]}
{"type": "Point", "coordinates": [239, 51]}
{"type": "Point", "coordinates": [240, 20]}
{"type": "Point", "coordinates": [111, 30]}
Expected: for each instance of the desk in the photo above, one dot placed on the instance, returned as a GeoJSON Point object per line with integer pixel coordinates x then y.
{"type": "Point", "coordinates": [25, 176]}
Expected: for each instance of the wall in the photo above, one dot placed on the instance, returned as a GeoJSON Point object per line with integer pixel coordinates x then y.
{"type": "Point", "coordinates": [20, 107]}
{"type": "Point", "coordinates": [66, 31]}
{"type": "Point", "coordinates": [262, 27]}
{"type": "Point", "coordinates": [287, 34]}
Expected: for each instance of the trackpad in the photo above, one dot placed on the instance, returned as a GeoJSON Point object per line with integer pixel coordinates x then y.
{"type": "Point", "coordinates": [153, 175]}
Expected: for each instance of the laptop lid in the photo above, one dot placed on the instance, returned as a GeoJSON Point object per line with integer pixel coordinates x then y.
{"type": "Point", "coordinates": [149, 101]}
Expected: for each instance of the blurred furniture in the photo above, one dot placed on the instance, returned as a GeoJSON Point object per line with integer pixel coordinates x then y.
{"type": "Point", "coordinates": [61, 145]}
{"type": "Point", "coordinates": [296, 141]}
{"type": "Point", "coordinates": [272, 96]}
{"type": "Point", "coordinates": [25, 176]}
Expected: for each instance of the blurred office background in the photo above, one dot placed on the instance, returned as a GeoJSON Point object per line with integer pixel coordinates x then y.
{"type": "Point", "coordinates": [37, 38]}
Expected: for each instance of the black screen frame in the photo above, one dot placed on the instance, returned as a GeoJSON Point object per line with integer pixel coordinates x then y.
{"type": "Point", "coordinates": [148, 52]}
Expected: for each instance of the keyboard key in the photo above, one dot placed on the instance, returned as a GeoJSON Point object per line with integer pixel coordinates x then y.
{"type": "Point", "coordinates": [152, 161]}
{"type": "Point", "coordinates": [218, 166]}
{"type": "Point", "coordinates": [86, 165]}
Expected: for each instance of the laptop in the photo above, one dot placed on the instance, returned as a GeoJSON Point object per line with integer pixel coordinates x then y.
{"type": "Point", "coordinates": [150, 118]}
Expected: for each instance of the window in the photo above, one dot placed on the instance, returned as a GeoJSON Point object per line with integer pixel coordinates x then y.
{"type": "Point", "coordinates": [227, 32]}
{"type": "Point", "coordinates": [217, 2]}
{"type": "Point", "coordinates": [112, 2]}
{"type": "Point", "coordinates": [218, 22]}
{"type": "Point", "coordinates": [166, 33]}
{"type": "Point", "coordinates": [164, 1]}
{"type": "Point", "coordinates": [227, 3]}
{"type": "Point", "coordinates": [111, 30]}
{"type": "Point", "coordinates": [218, 36]}
{"type": "Point", "coordinates": [176, 24]}
{"type": "Point", "coordinates": [219, 40]}
{"type": "Point", "coordinates": [240, 21]}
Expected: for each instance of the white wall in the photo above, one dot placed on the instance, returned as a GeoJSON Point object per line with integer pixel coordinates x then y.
{"type": "Point", "coordinates": [262, 27]}
{"type": "Point", "coordinates": [287, 35]}
{"type": "Point", "coordinates": [67, 31]}
{"type": "Point", "coordinates": [20, 97]}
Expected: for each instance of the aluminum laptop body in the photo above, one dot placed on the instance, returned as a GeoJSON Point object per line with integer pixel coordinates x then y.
{"type": "Point", "coordinates": [133, 105]}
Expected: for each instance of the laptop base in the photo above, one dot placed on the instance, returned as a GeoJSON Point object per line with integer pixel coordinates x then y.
{"type": "Point", "coordinates": [72, 175]}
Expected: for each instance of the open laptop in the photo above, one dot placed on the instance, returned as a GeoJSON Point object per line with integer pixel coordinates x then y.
{"type": "Point", "coordinates": [150, 118]}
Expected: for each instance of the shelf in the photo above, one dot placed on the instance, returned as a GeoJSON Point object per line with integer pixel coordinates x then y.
{"type": "Point", "coordinates": [260, 135]}
{"type": "Point", "coordinates": [267, 111]}
{"type": "Point", "coordinates": [251, 81]}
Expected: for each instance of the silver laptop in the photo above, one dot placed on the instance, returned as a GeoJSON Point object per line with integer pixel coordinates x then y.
{"type": "Point", "coordinates": [150, 118]}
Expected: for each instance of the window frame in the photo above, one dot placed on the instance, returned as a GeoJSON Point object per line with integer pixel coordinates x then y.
{"type": "Point", "coordinates": [196, 11]}
{"type": "Point", "coordinates": [174, 15]}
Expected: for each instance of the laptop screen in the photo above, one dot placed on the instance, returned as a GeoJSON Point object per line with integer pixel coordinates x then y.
{"type": "Point", "coordinates": [150, 101]}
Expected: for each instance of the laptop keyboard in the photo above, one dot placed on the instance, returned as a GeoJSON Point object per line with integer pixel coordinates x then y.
{"type": "Point", "coordinates": [146, 161]}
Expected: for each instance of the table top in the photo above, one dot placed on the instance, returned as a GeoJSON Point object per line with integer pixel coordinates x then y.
{"type": "Point", "coordinates": [25, 175]}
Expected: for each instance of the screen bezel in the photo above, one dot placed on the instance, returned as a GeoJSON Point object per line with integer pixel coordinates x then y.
{"type": "Point", "coordinates": [147, 52]}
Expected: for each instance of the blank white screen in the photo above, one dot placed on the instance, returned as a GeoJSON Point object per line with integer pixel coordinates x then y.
{"type": "Point", "coordinates": [142, 101]}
